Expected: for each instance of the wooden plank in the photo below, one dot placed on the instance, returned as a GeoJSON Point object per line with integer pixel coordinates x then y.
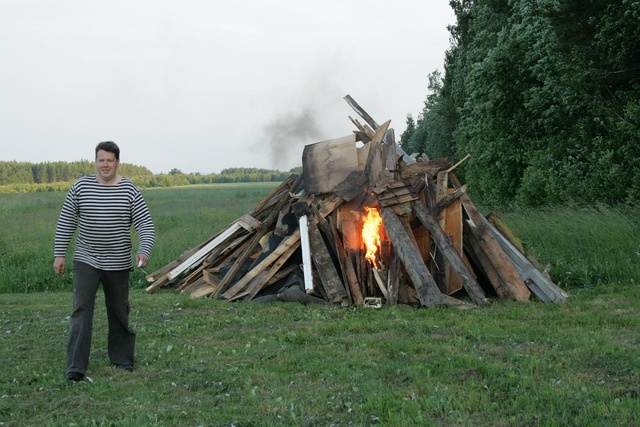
{"type": "Point", "coordinates": [374, 168]}
{"type": "Point", "coordinates": [453, 229]}
{"type": "Point", "coordinates": [249, 223]}
{"type": "Point", "coordinates": [429, 167]}
{"type": "Point", "coordinates": [393, 279]}
{"type": "Point", "coordinates": [202, 253]}
{"type": "Point", "coordinates": [450, 254]}
{"type": "Point", "coordinates": [397, 200]}
{"type": "Point", "coordinates": [202, 290]}
{"type": "Point", "coordinates": [397, 193]}
{"type": "Point", "coordinates": [348, 271]}
{"type": "Point", "coordinates": [166, 280]}
{"type": "Point", "coordinates": [329, 204]}
{"type": "Point", "coordinates": [423, 242]}
{"type": "Point", "coordinates": [363, 155]}
{"type": "Point", "coordinates": [287, 242]}
{"type": "Point", "coordinates": [288, 185]}
{"type": "Point", "coordinates": [326, 164]}
{"type": "Point", "coordinates": [390, 154]}
{"type": "Point", "coordinates": [458, 163]}
{"type": "Point", "coordinates": [347, 223]}
{"type": "Point", "coordinates": [161, 273]}
{"type": "Point", "coordinates": [282, 273]}
{"type": "Point", "coordinates": [269, 277]}
{"type": "Point", "coordinates": [254, 283]}
{"type": "Point", "coordinates": [361, 112]}
{"type": "Point", "coordinates": [378, 281]}
{"type": "Point", "coordinates": [195, 275]}
{"type": "Point", "coordinates": [325, 228]}
{"type": "Point", "coordinates": [361, 136]}
{"type": "Point", "coordinates": [450, 197]}
{"type": "Point", "coordinates": [442, 182]}
{"type": "Point", "coordinates": [306, 253]}
{"type": "Point", "coordinates": [450, 220]}
{"type": "Point", "coordinates": [159, 283]}
{"type": "Point", "coordinates": [389, 138]}
{"type": "Point", "coordinates": [352, 186]}
{"type": "Point", "coordinates": [474, 249]}
{"type": "Point", "coordinates": [324, 266]}
{"type": "Point", "coordinates": [427, 291]}
{"type": "Point", "coordinates": [510, 235]}
{"type": "Point", "coordinates": [511, 286]}
{"type": "Point", "coordinates": [442, 268]}
{"type": "Point", "coordinates": [544, 289]}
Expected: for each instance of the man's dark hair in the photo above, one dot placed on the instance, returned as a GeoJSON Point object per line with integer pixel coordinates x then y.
{"type": "Point", "coordinates": [110, 147]}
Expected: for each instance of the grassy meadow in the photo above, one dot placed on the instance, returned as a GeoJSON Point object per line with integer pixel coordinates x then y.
{"type": "Point", "coordinates": [212, 363]}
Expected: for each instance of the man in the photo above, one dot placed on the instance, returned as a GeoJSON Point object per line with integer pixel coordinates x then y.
{"type": "Point", "coordinates": [103, 207]}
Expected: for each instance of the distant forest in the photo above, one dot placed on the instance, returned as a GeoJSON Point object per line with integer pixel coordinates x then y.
{"type": "Point", "coordinates": [58, 176]}
{"type": "Point", "coordinates": [544, 95]}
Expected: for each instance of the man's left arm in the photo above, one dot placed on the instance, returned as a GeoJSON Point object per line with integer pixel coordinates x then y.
{"type": "Point", "coordinates": [143, 225]}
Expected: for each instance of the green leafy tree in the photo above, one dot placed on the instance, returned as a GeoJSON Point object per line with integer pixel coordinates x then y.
{"type": "Point", "coordinates": [545, 96]}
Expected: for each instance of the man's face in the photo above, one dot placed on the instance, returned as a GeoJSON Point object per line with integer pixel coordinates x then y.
{"type": "Point", "coordinates": [106, 165]}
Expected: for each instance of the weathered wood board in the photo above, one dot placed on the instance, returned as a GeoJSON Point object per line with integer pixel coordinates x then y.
{"type": "Point", "coordinates": [326, 164]}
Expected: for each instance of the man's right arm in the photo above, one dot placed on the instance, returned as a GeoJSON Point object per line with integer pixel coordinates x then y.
{"type": "Point", "coordinates": [66, 227]}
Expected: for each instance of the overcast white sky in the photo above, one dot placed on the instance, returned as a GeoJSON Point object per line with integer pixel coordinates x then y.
{"type": "Point", "coordinates": [204, 85]}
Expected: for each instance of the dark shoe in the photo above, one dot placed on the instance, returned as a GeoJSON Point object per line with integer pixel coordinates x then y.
{"type": "Point", "coordinates": [127, 368]}
{"type": "Point", "coordinates": [75, 376]}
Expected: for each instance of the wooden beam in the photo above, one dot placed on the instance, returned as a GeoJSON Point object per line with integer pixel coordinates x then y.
{"type": "Point", "coordinates": [358, 109]}
{"type": "Point", "coordinates": [450, 254]}
{"type": "Point", "coordinates": [331, 281]}
{"type": "Point", "coordinates": [544, 289]}
{"type": "Point", "coordinates": [374, 168]}
{"type": "Point", "coordinates": [510, 286]}
{"type": "Point", "coordinates": [428, 293]}
{"type": "Point", "coordinates": [430, 167]}
{"type": "Point", "coordinates": [450, 198]}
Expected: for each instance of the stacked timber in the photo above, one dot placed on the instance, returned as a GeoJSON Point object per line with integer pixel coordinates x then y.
{"type": "Point", "coordinates": [309, 240]}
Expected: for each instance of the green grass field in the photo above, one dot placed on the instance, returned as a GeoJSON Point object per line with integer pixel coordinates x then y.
{"type": "Point", "coordinates": [213, 363]}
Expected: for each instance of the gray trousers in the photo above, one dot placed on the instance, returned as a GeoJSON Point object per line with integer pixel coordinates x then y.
{"type": "Point", "coordinates": [121, 339]}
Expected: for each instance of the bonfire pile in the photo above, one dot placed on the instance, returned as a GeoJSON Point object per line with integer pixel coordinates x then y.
{"type": "Point", "coordinates": [365, 224]}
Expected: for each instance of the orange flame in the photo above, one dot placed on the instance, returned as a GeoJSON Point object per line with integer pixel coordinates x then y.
{"type": "Point", "coordinates": [371, 234]}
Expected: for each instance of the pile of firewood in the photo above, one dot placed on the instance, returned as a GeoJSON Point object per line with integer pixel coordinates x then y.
{"type": "Point", "coordinates": [305, 240]}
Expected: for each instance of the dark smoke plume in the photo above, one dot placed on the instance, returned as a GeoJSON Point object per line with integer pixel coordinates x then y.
{"type": "Point", "coordinates": [287, 135]}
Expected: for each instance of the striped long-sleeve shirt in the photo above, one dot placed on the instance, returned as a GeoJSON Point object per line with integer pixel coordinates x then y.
{"type": "Point", "coordinates": [103, 215]}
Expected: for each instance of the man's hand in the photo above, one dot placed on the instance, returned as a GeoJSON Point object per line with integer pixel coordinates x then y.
{"type": "Point", "coordinates": [141, 261]}
{"type": "Point", "coordinates": [59, 263]}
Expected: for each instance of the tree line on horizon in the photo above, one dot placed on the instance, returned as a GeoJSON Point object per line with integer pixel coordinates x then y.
{"type": "Point", "coordinates": [57, 176]}
{"type": "Point", "coordinates": [544, 95]}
